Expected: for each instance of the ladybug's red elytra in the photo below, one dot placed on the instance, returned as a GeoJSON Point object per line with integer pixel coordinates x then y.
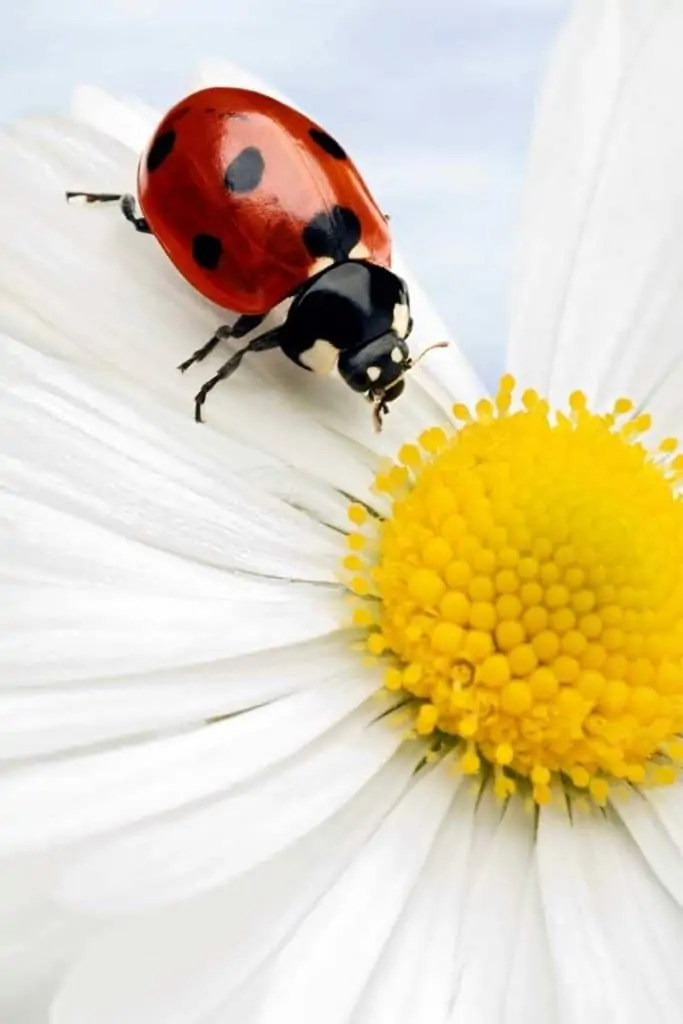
{"type": "Point", "coordinates": [264, 214]}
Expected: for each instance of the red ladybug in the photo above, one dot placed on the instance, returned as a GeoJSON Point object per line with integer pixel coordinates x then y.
{"type": "Point", "coordinates": [264, 213]}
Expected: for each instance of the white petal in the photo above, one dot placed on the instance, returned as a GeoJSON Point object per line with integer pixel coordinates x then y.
{"type": "Point", "coordinates": [668, 805]}
{"type": "Point", "coordinates": [414, 979]}
{"type": "Point", "coordinates": [531, 996]}
{"type": "Point", "coordinates": [600, 259]}
{"type": "Point", "coordinates": [129, 120]}
{"type": "Point", "coordinates": [243, 1006]}
{"type": "Point", "coordinates": [73, 448]}
{"type": "Point", "coordinates": [32, 957]}
{"type": "Point", "coordinates": [642, 924]}
{"type": "Point", "coordinates": [446, 374]}
{"type": "Point", "coordinates": [663, 855]}
{"type": "Point", "coordinates": [321, 972]}
{"type": "Point", "coordinates": [179, 965]}
{"type": "Point", "coordinates": [61, 717]}
{"type": "Point", "coordinates": [589, 985]}
{"type": "Point", "coordinates": [490, 930]}
{"type": "Point", "coordinates": [37, 940]}
{"type": "Point", "coordinates": [52, 632]}
{"type": "Point", "coordinates": [59, 802]}
{"type": "Point", "coordinates": [167, 860]}
{"type": "Point", "coordinates": [227, 73]}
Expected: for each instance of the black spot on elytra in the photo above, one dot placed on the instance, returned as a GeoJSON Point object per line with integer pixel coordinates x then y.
{"type": "Point", "coordinates": [326, 142]}
{"type": "Point", "coordinates": [332, 233]}
{"type": "Point", "coordinates": [244, 173]}
{"type": "Point", "coordinates": [161, 148]}
{"type": "Point", "coordinates": [207, 251]}
{"type": "Point", "coordinates": [209, 110]}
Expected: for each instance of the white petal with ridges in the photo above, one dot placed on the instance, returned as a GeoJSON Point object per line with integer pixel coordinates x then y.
{"type": "Point", "coordinates": [321, 973]}
{"type": "Point", "coordinates": [36, 721]}
{"type": "Point", "coordinates": [61, 802]}
{"type": "Point", "coordinates": [52, 632]}
{"type": "Point", "coordinates": [531, 996]}
{"type": "Point", "coordinates": [588, 981]}
{"type": "Point", "coordinates": [603, 191]}
{"type": "Point", "coordinates": [414, 979]}
{"type": "Point", "coordinates": [490, 928]}
{"type": "Point", "coordinates": [643, 926]}
{"type": "Point", "coordinates": [171, 965]}
{"type": "Point", "coordinates": [198, 850]}
{"type": "Point", "coordinates": [668, 805]}
{"type": "Point", "coordinates": [664, 857]}
{"type": "Point", "coordinates": [167, 442]}
{"type": "Point", "coordinates": [64, 450]}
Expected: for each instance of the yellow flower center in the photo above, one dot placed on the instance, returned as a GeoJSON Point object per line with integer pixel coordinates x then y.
{"type": "Point", "coordinates": [525, 589]}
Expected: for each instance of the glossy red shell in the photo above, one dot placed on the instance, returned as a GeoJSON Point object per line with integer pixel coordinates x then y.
{"type": "Point", "coordinates": [260, 231]}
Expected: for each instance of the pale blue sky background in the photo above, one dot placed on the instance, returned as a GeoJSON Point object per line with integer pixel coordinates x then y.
{"type": "Point", "coordinates": [434, 99]}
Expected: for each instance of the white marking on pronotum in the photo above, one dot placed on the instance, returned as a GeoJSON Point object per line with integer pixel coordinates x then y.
{"type": "Point", "coordinates": [359, 252]}
{"type": "Point", "coordinates": [401, 319]}
{"type": "Point", "coordinates": [374, 373]}
{"type": "Point", "coordinates": [396, 355]}
{"type": "Point", "coordinates": [321, 357]}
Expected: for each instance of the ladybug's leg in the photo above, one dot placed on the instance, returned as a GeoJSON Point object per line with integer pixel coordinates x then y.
{"type": "Point", "coordinates": [243, 325]}
{"type": "Point", "coordinates": [269, 340]}
{"type": "Point", "coordinates": [126, 202]}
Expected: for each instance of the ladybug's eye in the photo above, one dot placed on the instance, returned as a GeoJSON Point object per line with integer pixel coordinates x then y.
{"type": "Point", "coordinates": [410, 326]}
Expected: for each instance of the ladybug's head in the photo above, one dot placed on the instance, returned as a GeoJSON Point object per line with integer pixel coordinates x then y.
{"type": "Point", "coordinates": [385, 361]}
{"type": "Point", "coordinates": [377, 370]}
{"type": "Point", "coordinates": [356, 316]}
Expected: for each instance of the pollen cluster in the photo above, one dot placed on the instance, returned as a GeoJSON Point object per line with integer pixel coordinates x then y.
{"type": "Point", "coordinates": [525, 591]}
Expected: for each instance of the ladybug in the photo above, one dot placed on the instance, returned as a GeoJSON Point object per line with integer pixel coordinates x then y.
{"type": "Point", "coordinates": [264, 213]}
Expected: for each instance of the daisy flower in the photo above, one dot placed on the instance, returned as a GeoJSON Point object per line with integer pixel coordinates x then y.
{"type": "Point", "coordinates": [302, 723]}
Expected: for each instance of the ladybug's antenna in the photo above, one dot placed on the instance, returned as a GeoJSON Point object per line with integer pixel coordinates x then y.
{"type": "Point", "coordinates": [423, 353]}
{"type": "Point", "coordinates": [380, 405]}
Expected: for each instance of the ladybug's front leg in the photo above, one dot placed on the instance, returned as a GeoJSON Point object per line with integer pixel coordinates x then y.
{"type": "Point", "coordinates": [243, 325]}
{"type": "Point", "coordinates": [269, 340]}
{"type": "Point", "coordinates": [126, 202]}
